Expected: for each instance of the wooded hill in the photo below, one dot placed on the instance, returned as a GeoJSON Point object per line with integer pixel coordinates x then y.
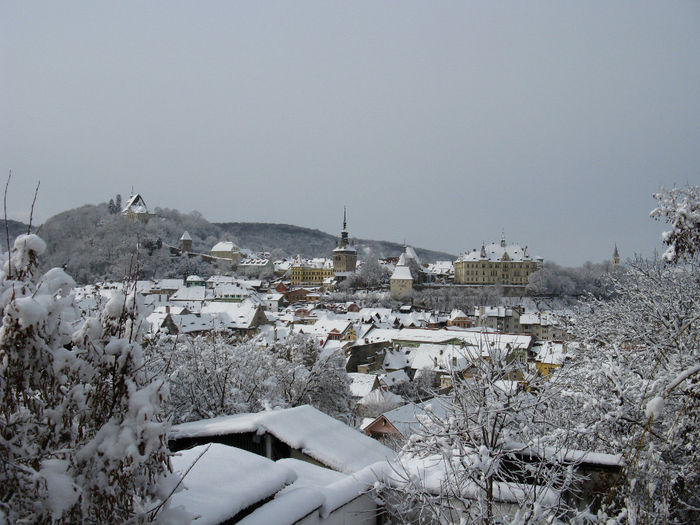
{"type": "Point", "coordinates": [93, 243]}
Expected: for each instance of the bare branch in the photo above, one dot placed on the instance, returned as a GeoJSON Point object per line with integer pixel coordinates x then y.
{"type": "Point", "coordinates": [31, 212]}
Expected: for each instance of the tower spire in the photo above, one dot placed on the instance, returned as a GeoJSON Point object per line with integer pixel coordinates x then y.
{"type": "Point", "coordinates": [345, 220]}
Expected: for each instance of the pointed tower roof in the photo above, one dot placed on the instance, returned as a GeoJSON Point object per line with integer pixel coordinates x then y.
{"type": "Point", "coordinates": [344, 244]}
{"type": "Point", "coordinates": [186, 236]}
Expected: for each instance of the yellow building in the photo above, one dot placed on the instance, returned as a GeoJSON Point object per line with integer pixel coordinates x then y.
{"type": "Point", "coordinates": [496, 264]}
{"type": "Point", "coordinates": [312, 272]}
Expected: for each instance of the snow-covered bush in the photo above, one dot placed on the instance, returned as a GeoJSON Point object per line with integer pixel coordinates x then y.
{"type": "Point", "coordinates": [211, 377]}
{"type": "Point", "coordinates": [81, 438]}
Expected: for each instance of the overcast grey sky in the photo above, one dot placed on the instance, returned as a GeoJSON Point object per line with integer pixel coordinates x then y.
{"type": "Point", "coordinates": [439, 123]}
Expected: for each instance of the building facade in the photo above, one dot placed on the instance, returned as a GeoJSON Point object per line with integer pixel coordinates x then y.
{"type": "Point", "coordinates": [496, 264]}
{"type": "Point", "coordinates": [310, 274]}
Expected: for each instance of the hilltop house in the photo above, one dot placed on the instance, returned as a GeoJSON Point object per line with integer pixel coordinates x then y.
{"type": "Point", "coordinates": [136, 209]}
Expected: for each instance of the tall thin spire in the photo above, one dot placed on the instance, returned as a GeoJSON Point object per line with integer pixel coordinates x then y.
{"type": "Point", "coordinates": [344, 233]}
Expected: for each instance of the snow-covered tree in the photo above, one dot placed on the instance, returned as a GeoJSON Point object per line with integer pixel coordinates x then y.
{"type": "Point", "coordinates": [637, 388]}
{"type": "Point", "coordinates": [81, 437]}
{"type": "Point", "coordinates": [680, 207]}
{"type": "Point", "coordinates": [210, 377]}
{"type": "Point", "coordinates": [306, 374]}
{"type": "Point", "coordinates": [479, 455]}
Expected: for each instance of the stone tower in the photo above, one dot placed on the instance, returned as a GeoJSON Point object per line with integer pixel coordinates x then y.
{"type": "Point", "coordinates": [344, 254]}
{"type": "Point", "coordinates": [185, 242]}
{"type": "Point", "coordinates": [616, 256]}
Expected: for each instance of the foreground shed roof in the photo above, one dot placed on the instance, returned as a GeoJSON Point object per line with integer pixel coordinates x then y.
{"type": "Point", "coordinates": [304, 428]}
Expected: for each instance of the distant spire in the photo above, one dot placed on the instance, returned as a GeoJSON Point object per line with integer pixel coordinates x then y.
{"type": "Point", "coordinates": [616, 256]}
{"type": "Point", "coordinates": [503, 239]}
{"type": "Point", "coordinates": [345, 219]}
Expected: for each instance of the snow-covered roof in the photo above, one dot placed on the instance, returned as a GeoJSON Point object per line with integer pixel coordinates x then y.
{"type": "Point", "coordinates": [225, 246]}
{"type": "Point", "coordinates": [254, 262]}
{"type": "Point", "coordinates": [323, 327]}
{"type": "Point", "coordinates": [346, 248]}
{"type": "Point", "coordinates": [456, 314]}
{"type": "Point", "coordinates": [304, 428]}
{"type": "Point", "coordinates": [167, 284]}
{"type": "Point", "coordinates": [402, 273]}
{"type": "Point", "coordinates": [315, 488]}
{"type": "Point", "coordinates": [530, 319]}
{"type": "Point", "coordinates": [381, 397]}
{"type": "Point", "coordinates": [396, 377]}
{"type": "Point", "coordinates": [192, 293]}
{"type": "Point", "coordinates": [496, 252]}
{"type": "Point", "coordinates": [191, 323]}
{"type": "Point", "coordinates": [233, 315]}
{"type": "Point", "coordinates": [434, 473]}
{"type": "Point", "coordinates": [135, 204]}
{"type": "Point", "coordinates": [472, 338]}
{"type": "Point", "coordinates": [408, 254]}
{"type": "Point", "coordinates": [442, 358]}
{"type": "Point", "coordinates": [230, 290]}
{"type": "Point", "coordinates": [405, 418]}
{"type": "Point", "coordinates": [317, 262]}
{"type": "Point", "coordinates": [186, 236]}
{"type": "Point", "coordinates": [362, 384]}
{"type": "Point", "coordinates": [551, 353]}
{"type": "Point", "coordinates": [395, 359]}
{"type": "Point", "coordinates": [225, 480]}
{"type": "Point", "coordinates": [441, 268]}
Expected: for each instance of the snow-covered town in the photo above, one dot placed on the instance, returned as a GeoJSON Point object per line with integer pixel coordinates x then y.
{"type": "Point", "coordinates": [350, 263]}
{"type": "Point", "coordinates": [275, 398]}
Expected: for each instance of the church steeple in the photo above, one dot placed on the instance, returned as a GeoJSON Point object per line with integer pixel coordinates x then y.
{"type": "Point", "coordinates": [344, 233]}
{"type": "Point", "coordinates": [344, 255]}
{"type": "Point", "coordinates": [616, 256]}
